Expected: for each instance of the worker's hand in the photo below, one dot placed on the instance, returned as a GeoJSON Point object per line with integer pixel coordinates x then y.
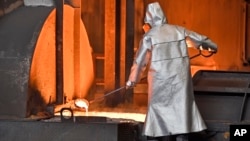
{"type": "Point", "coordinates": [130, 84]}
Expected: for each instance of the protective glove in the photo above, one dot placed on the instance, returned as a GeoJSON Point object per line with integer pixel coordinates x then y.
{"type": "Point", "coordinates": [130, 85]}
{"type": "Point", "coordinates": [209, 46]}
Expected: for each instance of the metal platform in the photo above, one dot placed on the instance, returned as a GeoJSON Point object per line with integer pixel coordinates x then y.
{"type": "Point", "coordinates": [68, 131]}
{"type": "Point", "coordinates": [223, 99]}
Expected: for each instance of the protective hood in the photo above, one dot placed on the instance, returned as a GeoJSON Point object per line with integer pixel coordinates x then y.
{"type": "Point", "coordinates": [154, 15]}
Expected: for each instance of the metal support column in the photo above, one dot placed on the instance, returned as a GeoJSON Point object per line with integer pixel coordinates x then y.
{"type": "Point", "coordinates": [59, 52]}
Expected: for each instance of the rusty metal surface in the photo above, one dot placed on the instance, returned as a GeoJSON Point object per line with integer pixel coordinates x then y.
{"type": "Point", "coordinates": [19, 31]}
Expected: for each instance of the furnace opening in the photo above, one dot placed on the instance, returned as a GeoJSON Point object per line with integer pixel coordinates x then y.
{"type": "Point", "coordinates": [78, 68]}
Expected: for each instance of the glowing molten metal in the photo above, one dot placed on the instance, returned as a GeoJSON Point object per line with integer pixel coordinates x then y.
{"type": "Point", "coordinates": [82, 103]}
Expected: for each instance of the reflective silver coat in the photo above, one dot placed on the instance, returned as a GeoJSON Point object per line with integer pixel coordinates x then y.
{"type": "Point", "coordinates": [171, 105]}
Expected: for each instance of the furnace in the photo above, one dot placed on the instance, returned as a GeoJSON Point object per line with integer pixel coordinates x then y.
{"type": "Point", "coordinates": [28, 68]}
{"type": "Point", "coordinates": [28, 60]}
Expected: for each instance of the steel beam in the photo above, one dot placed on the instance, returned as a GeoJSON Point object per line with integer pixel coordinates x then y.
{"type": "Point", "coordinates": [59, 52]}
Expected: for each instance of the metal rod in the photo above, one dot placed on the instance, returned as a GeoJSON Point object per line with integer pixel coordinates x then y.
{"type": "Point", "coordinates": [112, 92]}
{"type": "Point", "coordinates": [59, 51]}
{"type": "Point", "coordinates": [200, 54]}
{"type": "Point", "coordinates": [244, 103]}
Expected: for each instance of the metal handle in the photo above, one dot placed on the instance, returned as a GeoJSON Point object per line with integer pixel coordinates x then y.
{"type": "Point", "coordinates": [112, 92]}
{"type": "Point", "coordinates": [200, 53]}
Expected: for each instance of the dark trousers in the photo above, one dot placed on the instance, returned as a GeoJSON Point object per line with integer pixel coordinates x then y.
{"type": "Point", "coordinates": [181, 137]}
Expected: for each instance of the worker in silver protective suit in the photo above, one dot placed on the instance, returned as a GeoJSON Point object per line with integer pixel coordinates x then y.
{"type": "Point", "coordinates": [171, 106]}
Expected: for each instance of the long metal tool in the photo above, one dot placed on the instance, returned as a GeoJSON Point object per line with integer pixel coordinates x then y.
{"type": "Point", "coordinates": [201, 54]}
{"type": "Point", "coordinates": [83, 103]}
{"type": "Point", "coordinates": [112, 92]}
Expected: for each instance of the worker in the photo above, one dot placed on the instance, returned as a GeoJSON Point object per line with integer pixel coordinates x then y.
{"type": "Point", "coordinates": [172, 111]}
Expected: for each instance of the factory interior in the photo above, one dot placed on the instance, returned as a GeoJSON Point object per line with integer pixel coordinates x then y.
{"type": "Point", "coordinates": [64, 65]}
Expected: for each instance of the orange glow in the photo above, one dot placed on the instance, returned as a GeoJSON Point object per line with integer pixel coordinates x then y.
{"type": "Point", "coordinates": [122, 111]}
{"type": "Point", "coordinates": [42, 74]}
{"type": "Point", "coordinates": [200, 62]}
{"type": "Point", "coordinates": [115, 115]}
{"type": "Point", "coordinates": [82, 103]}
{"type": "Point", "coordinates": [146, 27]}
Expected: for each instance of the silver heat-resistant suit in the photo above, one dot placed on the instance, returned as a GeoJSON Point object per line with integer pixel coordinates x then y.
{"type": "Point", "coordinates": [171, 106]}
